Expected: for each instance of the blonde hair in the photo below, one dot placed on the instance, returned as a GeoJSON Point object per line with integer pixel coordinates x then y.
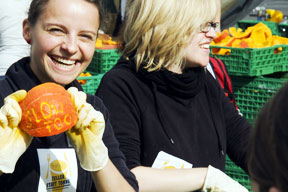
{"type": "Point", "coordinates": [157, 31]}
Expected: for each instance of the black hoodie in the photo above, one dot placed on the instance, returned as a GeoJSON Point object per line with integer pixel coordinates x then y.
{"type": "Point", "coordinates": [186, 115]}
{"type": "Point", "coordinates": [26, 174]}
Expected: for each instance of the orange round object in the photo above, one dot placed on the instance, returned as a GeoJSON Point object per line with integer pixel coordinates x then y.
{"type": "Point", "coordinates": [47, 110]}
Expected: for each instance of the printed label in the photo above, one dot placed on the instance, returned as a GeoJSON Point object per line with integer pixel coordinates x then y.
{"type": "Point", "coordinates": [58, 170]}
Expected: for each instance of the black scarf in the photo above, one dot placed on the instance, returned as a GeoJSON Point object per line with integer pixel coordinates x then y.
{"type": "Point", "coordinates": [185, 85]}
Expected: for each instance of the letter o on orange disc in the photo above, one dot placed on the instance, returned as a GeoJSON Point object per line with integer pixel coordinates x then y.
{"type": "Point", "coordinates": [47, 110]}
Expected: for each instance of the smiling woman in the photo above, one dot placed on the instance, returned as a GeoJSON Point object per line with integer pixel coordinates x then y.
{"type": "Point", "coordinates": [62, 35]}
{"type": "Point", "coordinates": [161, 99]}
{"type": "Point", "coordinates": [62, 48]}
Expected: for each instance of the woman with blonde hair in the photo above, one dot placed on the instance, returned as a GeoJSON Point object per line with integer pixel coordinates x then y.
{"type": "Point", "coordinates": [166, 110]}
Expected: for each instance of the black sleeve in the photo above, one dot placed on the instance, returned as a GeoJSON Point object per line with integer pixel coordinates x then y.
{"type": "Point", "coordinates": [237, 131]}
{"type": "Point", "coordinates": [116, 156]}
{"type": "Point", "coordinates": [118, 94]}
{"type": "Point", "coordinates": [236, 127]}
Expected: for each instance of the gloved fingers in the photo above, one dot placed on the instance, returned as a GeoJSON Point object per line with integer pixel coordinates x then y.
{"type": "Point", "coordinates": [89, 118]}
{"type": "Point", "coordinates": [17, 96]}
{"type": "Point", "coordinates": [87, 114]}
{"type": "Point", "coordinates": [84, 117]}
{"type": "Point", "coordinates": [3, 121]}
{"type": "Point", "coordinates": [78, 97]}
{"type": "Point", "coordinates": [12, 110]}
{"type": "Point", "coordinates": [98, 124]}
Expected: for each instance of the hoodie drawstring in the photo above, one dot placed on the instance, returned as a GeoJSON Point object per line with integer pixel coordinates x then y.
{"type": "Point", "coordinates": [221, 152]}
{"type": "Point", "coordinates": [160, 114]}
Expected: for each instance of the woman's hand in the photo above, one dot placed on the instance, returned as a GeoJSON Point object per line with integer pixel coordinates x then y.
{"type": "Point", "coordinates": [86, 135]}
{"type": "Point", "coordinates": [13, 141]}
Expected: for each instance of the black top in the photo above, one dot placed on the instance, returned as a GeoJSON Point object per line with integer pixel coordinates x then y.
{"type": "Point", "coordinates": [26, 174]}
{"type": "Point", "coordinates": [186, 115]}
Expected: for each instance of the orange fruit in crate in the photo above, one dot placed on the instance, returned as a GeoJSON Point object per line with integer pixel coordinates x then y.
{"type": "Point", "coordinates": [221, 36]}
{"type": "Point", "coordinates": [47, 110]}
{"type": "Point", "coordinates": [83, 81]}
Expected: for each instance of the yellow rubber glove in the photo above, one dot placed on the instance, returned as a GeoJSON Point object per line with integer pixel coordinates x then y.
{"type": "Point", "coordinates": [86, 135]}
{"type": "Point", "coordinates": [13, 141]}
{"type": "Point", "coordinates": [217, 181]}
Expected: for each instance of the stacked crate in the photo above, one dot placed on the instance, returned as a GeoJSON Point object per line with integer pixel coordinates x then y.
{"type": "Point", "coordinates": [283, 29]}
{"type": "Point", "coordinates": [249, 69]}
{"type": "Point", "coordinates": [103, 60]}
{"type": "Point", "coordinates": [252, 71]}
{"type": "Point", "coordinates": [236, 173]}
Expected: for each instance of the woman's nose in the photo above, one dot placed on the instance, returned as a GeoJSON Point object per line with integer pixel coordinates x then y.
{"type": "Point", "coordinates": [70, 45]}
{"type": "Point", "coordinates": [212, 33]}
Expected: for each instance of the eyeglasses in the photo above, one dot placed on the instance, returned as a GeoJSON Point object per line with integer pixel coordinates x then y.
{"type": "Point", "coordinates": [207, 27]}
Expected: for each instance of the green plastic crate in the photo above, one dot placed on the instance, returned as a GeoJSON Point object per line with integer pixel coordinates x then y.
{"type": "Point", "coordinates": [280, 29]}
{"type": "Point", "coordinates": [244, 24]}
{"type": "Point", "coordinates": [255, 61]}
{"type": "Point", "coordinates": [283, 30]}
{"type": "Point", "coordinates": [103, 60]}
{"type": "Point", "coordinates": [237, 173]}
{"type": "Point", "coordinates": [252, 93]}
{"type": "Point", "coordinates": [92, 83]}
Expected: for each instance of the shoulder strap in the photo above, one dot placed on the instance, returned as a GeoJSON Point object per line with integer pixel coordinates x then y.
{"type": "Point", "coordinates": [220, 76]}
{"type": "Point", "coordinates": [223, 78]}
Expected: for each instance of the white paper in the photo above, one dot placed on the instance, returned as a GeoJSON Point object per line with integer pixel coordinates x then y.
{"type": "Point", "coordinates": [167, 161]}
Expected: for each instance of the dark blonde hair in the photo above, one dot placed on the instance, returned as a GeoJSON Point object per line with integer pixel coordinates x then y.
{"type": "Point", "coordinates": [268, 147]}
{"type": "Point", "coordinates": [157, 31]}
